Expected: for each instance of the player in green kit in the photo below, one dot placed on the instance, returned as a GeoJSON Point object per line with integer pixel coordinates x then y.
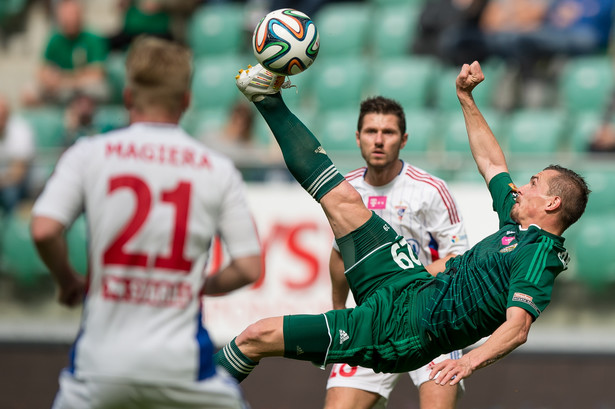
{"type": "Point", "coordinates": [404, 316]}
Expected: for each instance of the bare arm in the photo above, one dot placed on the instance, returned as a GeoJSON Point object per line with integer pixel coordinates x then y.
{"type": "Point", "coordinates": [510, 335]}
{"type": "Point", "coordinates": [439, 265]}
{"type": "Point", "coordinates": [485, 148]}
{"type": "Point", "coordinates": [240, 272]}
{"type": "Point", "coordinates": [48, 236]}
{"type": "Point", "coordinates": [339, 285]}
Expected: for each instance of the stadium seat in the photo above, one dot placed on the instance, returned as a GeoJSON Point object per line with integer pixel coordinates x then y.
{"type": "Point", "coordinates": [209, 121]}
{"type": "Point", "coordinates": [337, 131]}
{"type": "Point", "coordinates": [408, 80]}
{"type": "Point", "coordinates": [76, 238]}
{"type": "Point", "coordinates": [338, 83]}
{"type": "Point", "coordinates": [421, 125]}
{"type": "Point", "coordinates": [343, 29]}
{"type": "Point", "coordinates": [213, 85]}
{"type": "Point", "coordinates": [217, 29]}
{"type": "Point", "coordinates": [48, 126]}
{"type": "Point", "coordinates": [583, 128]}
{"type": "Point", "coordinates": [393, 29]}
{"type": "Point", "coordinates": [602, 183]}
{"type": "Point", "coordinates": [591, 250]}
{"type": "Point", "coordinates": [586, 83]}
{"type": "Point", "coordinates": [116, 76]}
{"type": "Point", "coordinates": [484, 93]}
{"type": "Point", "coordinates": [19, 256]}
{"type": "Point", "coordinates": [110, 117]}
{"type": "Point", "coordinates": [535, 132]}
{"type": "Point", "coordinates": [454, 132]}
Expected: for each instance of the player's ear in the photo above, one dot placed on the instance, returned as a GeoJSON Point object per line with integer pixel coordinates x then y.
{"type": "Point", "coordinates": [554, 203]}
{"type": "Point", "coordinates": [358, 138]}
{"type": "Point", "coordinates": [404, 140]}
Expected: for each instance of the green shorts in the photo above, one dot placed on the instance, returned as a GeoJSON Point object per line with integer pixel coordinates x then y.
{"type": "Point", "coordinates": [382, 332]}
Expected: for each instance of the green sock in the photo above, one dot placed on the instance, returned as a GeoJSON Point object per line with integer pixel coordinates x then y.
{"type": "Point", "coordinates": [234, 361]}
{"type": "Point", "coordinates": [305, 158]}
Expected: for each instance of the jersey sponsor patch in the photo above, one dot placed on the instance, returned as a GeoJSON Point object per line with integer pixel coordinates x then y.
{"type": "Point", "coordinates": [376, 202]}
{"type": "Point", "coordinates": [508, 249]}
{"type": "Point", "coordinates": [136, 290]}
{"type": "Point", "coordinates": [526, 299]}
{"type": "Point", "coordinates": [506, 240]}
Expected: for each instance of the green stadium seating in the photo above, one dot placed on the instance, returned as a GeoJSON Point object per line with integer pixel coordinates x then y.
{"type": "Point", "coordinates": [393, 29]}
{"type": "Point", "coordinates": [422, 127]}
{"type": "Point", "coordinates": [338, 83]}
{"type": "Point", "coordinates": [48, 126]}
{"type": "Point", "coordinates": [213, 85]}
{"type": "Point", "coordinates": [454, 132]}
{"type": "Point", "coordinates": [602, 183]}
{"type": "Point", "coordinates": [19, 256]}
{"type": "Point", "coordinates": [583, 128]}
{"type": "Point", "coordinates": [110, 117]}
{"type": "Point", "coordinates": [408, 80]}
{"type": "Point", "coordinates": [535, 132]}
{"type": "Point", "coordinates": [343, 29]}
{"type": "Point", "coordinates": [591, 250]}
{"type": "Point", "coordinates": [76, 238]}
{"type": "Point", "coordinates": [586, 83]}
{"type": "Point", "coordinates": [337, 131]}
{"type": "Point", "coordinates": [116, 75]}
{"type": "Point", "coordinates": [210, 121]}
{"type": "Point", "coordinates": [217, 29]}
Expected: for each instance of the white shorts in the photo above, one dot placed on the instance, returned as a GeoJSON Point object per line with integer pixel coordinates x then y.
{"type": "Point", "coordinates": [216, 392]}
{"type": "Point", "coordinates": [356, 377]}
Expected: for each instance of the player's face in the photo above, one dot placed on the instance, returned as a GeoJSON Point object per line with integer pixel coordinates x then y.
{"type": "Point", "coordinates": [532, 199]}
{"type": "Point", "coordinates": [380, 139]}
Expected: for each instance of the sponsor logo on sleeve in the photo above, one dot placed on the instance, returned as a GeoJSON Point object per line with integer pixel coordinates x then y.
{"type": "Point", "coordinates": [526, 299]}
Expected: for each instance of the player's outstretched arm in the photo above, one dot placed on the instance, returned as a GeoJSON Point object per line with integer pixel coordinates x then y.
{"type": "Point", "coordinates": [485, 148]}
{"type": "Point", "coordinates": [240, 272]}
{"type": "Point", "coordinates": [48, 236]}
{"type": "Point", "coordinates": [510, 335]}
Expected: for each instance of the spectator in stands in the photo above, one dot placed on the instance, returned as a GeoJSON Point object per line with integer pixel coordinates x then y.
{"type": "Point", "coordinates": [449, 30]}
{"type": "Point", "coordinates": [73, 61]}
{"type": "Point", "coordinates": [526, 31]}
{"type": "Point", "coordinates": [603, 139]}
{"type": "Point", "coordinates": [16, 153]}
{"type": "Point", "coordinates": [160, 18]}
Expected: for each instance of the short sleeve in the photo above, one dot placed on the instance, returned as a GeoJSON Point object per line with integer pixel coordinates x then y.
{"type": "Point", "coordinates": [501, 189]}
{"type": "Point", "coordinates": [63, 197]}
{"type": "Point", "coordinates": [236, 224]}
{"type": "Point", "coordinates": [533, 273]}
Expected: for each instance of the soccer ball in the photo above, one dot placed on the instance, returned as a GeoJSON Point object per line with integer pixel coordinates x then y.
{"type": "Point", "coordinates": [286, 42]}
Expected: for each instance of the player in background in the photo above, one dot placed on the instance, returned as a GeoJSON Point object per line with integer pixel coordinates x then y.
{"type": "Point", "coordinates": [405, 317]}
{"type": "Point", "coordinates": [419, 207]}
{"type": "Point", "coordinates": [153, 198]}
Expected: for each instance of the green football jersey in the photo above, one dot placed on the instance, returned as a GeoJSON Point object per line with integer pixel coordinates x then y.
{"type": "Point", "coordinates": [513, 267]}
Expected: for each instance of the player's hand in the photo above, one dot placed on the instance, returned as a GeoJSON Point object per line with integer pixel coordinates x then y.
{"type": "Point", "coordinates": [72, 290]}
{"type": "Point", "coordinates": [469, 77]}
{"type": "Point", "coordinates": [450, 371]}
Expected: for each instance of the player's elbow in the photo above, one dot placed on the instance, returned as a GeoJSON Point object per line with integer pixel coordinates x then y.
{"type": "Point", "coordinates": [43, 229]}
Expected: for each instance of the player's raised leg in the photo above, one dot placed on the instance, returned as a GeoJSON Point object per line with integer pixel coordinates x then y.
{"type": "Point", "coordinates": [304, 155]}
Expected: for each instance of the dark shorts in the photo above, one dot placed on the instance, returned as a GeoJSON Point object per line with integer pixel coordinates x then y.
{"type": "Point", "coordinates": [382, 332]}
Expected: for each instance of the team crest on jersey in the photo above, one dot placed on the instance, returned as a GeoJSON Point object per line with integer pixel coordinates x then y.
{"type": "Point", "coordinates": [376, 202]}
{"type": "Point", "coordinates": [401, 210]}
{"type": "Point", "coordinates": [508, 249]}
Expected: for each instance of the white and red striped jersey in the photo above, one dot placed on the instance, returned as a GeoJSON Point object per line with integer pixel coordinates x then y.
{"type": "Point", "coordinates": [418, 206]}
{"type": "Point", "coordinates": [154, 198]}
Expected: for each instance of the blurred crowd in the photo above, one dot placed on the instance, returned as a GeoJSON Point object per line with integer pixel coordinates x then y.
{"type": "Point", "coordinates": [75, 77]}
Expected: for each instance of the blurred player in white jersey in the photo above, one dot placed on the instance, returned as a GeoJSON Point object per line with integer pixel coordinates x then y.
{"type": "Point", "coordinates": [418, 206]}
{"type": "Point", "coordinates": [154, 198]}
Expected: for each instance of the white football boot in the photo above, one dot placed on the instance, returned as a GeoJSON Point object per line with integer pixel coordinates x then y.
{"type": "Point", "coordinates": [256, 82]}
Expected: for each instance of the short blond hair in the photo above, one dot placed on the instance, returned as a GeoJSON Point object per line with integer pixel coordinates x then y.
{"type": "Point", "coordinates": [158, 73]}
